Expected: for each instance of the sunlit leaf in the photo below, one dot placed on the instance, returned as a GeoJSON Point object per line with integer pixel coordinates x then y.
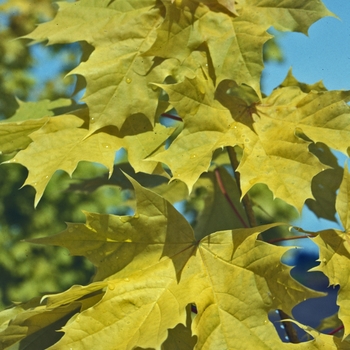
{"type": "Point", "coordinates": [154, 269]}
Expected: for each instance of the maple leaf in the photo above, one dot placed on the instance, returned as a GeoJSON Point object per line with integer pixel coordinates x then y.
{"type": "Point", "coordinates": [219, 204]}
{"type": "Point", "coordinates": [29, 117]}
{"type": "Point", "coordinates": [208, 125]}
{"type": "Point", "coordinates": [120, 31]}
{"type": "Point", "coordinates": [236, 54]}
{"type": "Point", "coordinates": [325, 184]}
{"type": "Point", "coordinates": [334, 248]}
{"type": "Point", "coordinates": [286, 166]}
{"type": "Point", "coordinates": [154, 268]}
{"type": "Point", "coordinates": [288, 15]}
{"type": "Point", "coordinates": [321, 116]}
{"type": "Point", "coordinates": [63, 142]}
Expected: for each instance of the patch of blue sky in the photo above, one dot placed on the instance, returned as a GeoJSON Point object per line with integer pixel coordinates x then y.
{"type": "Point", "coordinates": [322, 55]}
{"type": "Point", "coordinates": [49, 64]}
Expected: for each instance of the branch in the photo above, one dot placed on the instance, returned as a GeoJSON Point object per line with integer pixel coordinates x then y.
{"type": "Point", "coordinates": [290, 330]}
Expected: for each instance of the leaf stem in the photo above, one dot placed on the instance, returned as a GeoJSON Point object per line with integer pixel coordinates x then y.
{"type": "Point", "coordinates": [290, 330]}
{"type": "Point", "coordinates": [171, 116]}
{"type": "Point", "coordinates": [224, 192]}
{"type": "Point", "coordinates": [336, 330]}
{"type": "Point", "coordinates": [245, 200]}
{"type": "Point", "coordinates": [282, 239]}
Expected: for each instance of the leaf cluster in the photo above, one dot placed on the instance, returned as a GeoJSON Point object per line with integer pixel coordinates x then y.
{"type": "Point", "coordinates": [242, 161]}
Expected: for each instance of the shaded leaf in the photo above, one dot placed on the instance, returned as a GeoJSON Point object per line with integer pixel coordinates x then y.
{"type": "Point", "coordinates": [37, 110]}
{"type": "Point", "coordinates": [325, 184]}
{"type": "Point", "coordinates": [334, 248]}
{"type": "Point", "coordinates": [15, 136]}
{"type": "Point", "coordinates": [208, 125]}
{"type": "Point", "coordinates": [218, 213]}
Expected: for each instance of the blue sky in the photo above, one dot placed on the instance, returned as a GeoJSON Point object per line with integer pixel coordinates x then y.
{"type": "Point", "coordinates": [322, 55]}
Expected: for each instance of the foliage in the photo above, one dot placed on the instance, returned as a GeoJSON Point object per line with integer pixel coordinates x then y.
{"type": "Point", "coordinates": [29, 270]}
{"type": "Point", "coordinates": [233, 154]}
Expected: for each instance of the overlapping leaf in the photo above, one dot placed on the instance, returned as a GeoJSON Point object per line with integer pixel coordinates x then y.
{"type": "Point", "coordinates": [30, 116]}
{"type": "Point", "coordinates": [221, 200]}
{"type": "Point", "coordinates": [62, 143]}
{"type": "Point", "coordinates": [335, 253]}
{"type": "Point", "coordinates": [322, 116]}
{"type": "Point", "coordinates": [154, 269]}
{"type": "Point", "coordinates": [150, 266]}
{"type": "Point", "coordinates": [117, 76]}
{"type": "Point", "coordinates": [234, 45]}
{"type": "Point", "coordinates": [208, 125]}
{"type": "Point", "coordinates": [286, 165]}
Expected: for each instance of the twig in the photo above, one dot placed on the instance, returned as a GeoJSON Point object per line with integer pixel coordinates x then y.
{"type": "Point", "coordinates": [290, 331]}
{"type": "Point", "coordinates": [246, 201]}
{"type": "Point", "coordinates": [288, 327]}
{"type": "Point", "coordinates": [224, 192]}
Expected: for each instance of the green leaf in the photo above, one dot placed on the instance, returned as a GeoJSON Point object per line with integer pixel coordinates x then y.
{"type": "Point", "coordinates": [37, 110]}
{"type": "Point", "coordinates": [15, 136]}
{"type": "Point", "coordinates": [334, 248]}
{"type": "Point", "coordinates": [120, 31]}
{"type": "Point", "coordinates": [325, 184]}
{"type": "Point", "coordinates": [218, 213]}
{"type": "Point", "coordinates": [63, 142]}
{"type": "Point", "coordinates": [321, 116]}
{"type": "Point", "coordinates": [343, 201]}
{"type": "Point", "coordinates": [208, 125]}
{"type": "Point", "coordinates": [224, 299]}
{"type": "Point", "coordinates": [154, 269]}
{"type": "Point", "coordinates": [236, 55]}
{"type": "Point", "coordinates": [29, 117]}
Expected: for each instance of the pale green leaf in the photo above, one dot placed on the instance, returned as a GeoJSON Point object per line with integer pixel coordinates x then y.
{"type": "Point", "coordinates": [63, 149]}
{"type": "Point", "coordinates": [251, 279]}
{"type": "Point", "coordinates": [287, 15]}
{"type": "Point", "coordinates": [287, 166]}
{"type": "Point", "coordinates": [235, 45]}
{"type": "Point", "coordinates": [343, 201]}
{"type": "Point", "coordinates": [335, 264]}
{"type": "Point", "coordinates": [29, 117]}
{"type": "Point", "coordinates": [62, 143]}
{"type": "Point", "coordinates": [290, 80]}
{"type": "Point", "coordinates": [321, 115]}
{"type": "Point", "coordinates": [208, 125]}
{"type": "Point", "coordinates": [37, 110]}
{"type": "Point", "coordinates": [14, 136]}
{"type": "Point", "coordinates": [120, 31]}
